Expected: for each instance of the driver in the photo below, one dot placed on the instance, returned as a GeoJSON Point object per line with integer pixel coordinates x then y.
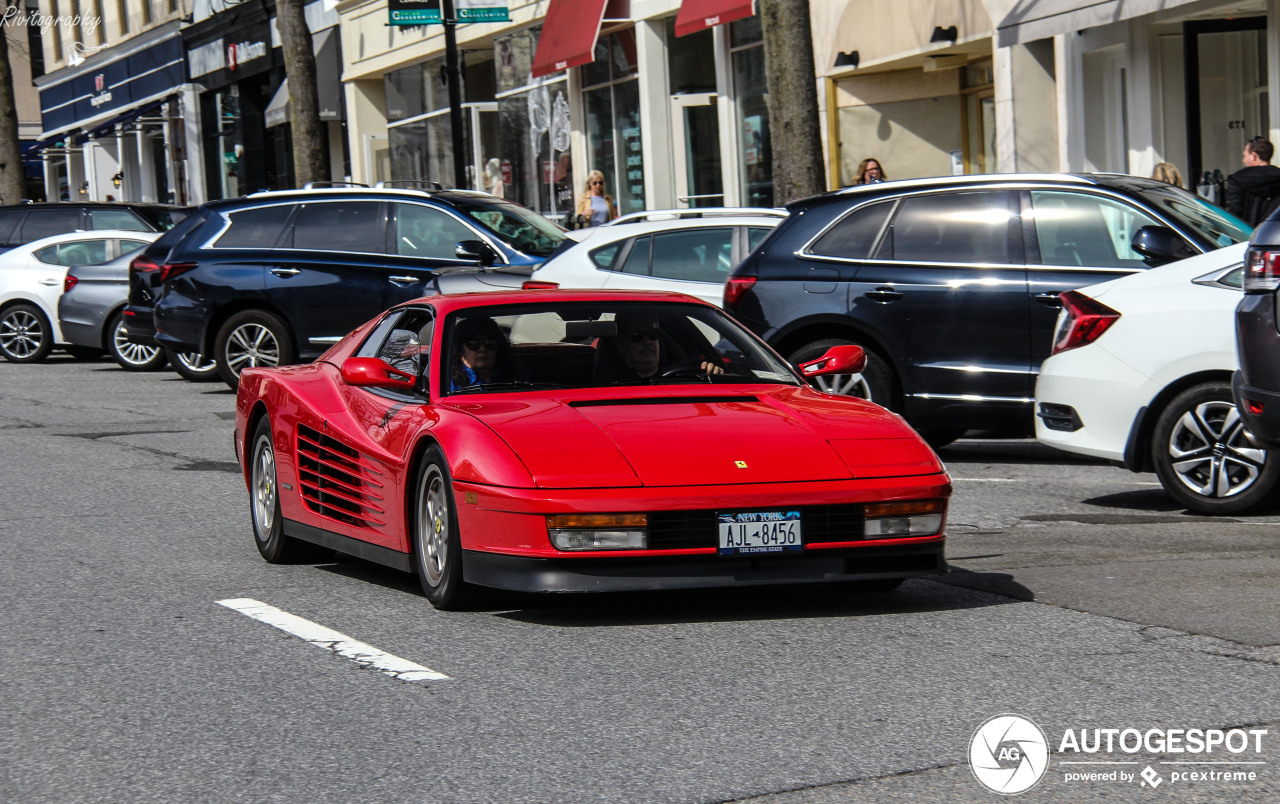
{"type": "Point", "coordinates": [639, 344]}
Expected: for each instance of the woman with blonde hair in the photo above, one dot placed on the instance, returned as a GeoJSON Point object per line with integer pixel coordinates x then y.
{"type": "Point", "coordinates": [1168, 174]}
{"type": "Point", "coordinates": [595, 206]}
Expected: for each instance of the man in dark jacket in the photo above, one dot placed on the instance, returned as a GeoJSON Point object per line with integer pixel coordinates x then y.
{"type": "Point", "coordinates": [1254, 191]}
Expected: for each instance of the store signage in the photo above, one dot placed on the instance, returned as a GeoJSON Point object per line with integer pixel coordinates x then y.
{"type": "Point", "coordinates": [101, 94]}
{"type": "Point", "coordinates": [241, 52]}
{"type": "Point", "coordinates": [428, 12]}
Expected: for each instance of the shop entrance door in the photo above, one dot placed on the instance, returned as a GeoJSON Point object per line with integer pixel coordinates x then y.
{"type": "Point", "coordinates": [1226, 85]}
{"type": "Point", "coordinates": [699, 179]}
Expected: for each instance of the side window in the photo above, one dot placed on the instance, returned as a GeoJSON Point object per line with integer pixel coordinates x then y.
{"type": "Point", "coordinates": [423, 231]}
{"type": "Point", "coordinates": [354, 226]}
{"type": "Point", "coordinates": [637, 261]}
{"type": "Point", "coordinates": [84, 252]}
{"type": "Point", "coordinates": [854, 235]}
{"type": "Point", "coordinates": [702, 255]}
{"type": "Point", "coordinates": [117, 219]}
{"type": "Point", "coordinates": [967, 227]}
{"type": "Point", "coordinates": [8, 222]}
{"type": "Point", "coordinates": [45, 222]}
{"type": "Point", "coordinates": [756, 236]}
{"type": "Point", "coordinates": [604, 257]}
{"type": "Point", "coordinates": [129, 246]}
{"type": "Point", "coordinates": [47, 255]}
{"type": "Point", "coordinates": [255, 228]}
{"type": "Point", "coordinates": [404, 341]}
{"type": "Point", "coordinates": [1077, 229]}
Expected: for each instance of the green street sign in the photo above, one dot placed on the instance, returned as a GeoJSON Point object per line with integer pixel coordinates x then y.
{"type": "Point", "coordinates": [428, 12]}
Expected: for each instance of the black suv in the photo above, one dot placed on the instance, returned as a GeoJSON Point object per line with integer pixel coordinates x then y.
{"type": "Point", "coordinates": [22, 223]}
{"type": "Point", "coordinates": [275, 278]}
{"type": "Point", "coordinates": [1256, 385]}
{"type": "Point", "coordinates": [951, 284]}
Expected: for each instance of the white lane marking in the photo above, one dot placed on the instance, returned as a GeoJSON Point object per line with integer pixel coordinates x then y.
{"type": "Point", "coordinates": [339, 643]}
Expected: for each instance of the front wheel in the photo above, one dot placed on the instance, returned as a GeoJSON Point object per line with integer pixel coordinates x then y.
{"type": "Point", "coordinates": [128, 355]}
{"type": "Point", "coordinates": [25, 334]}
{"type": "Point", "coordinates": [251, 339]}
{"type": "Point", "coordinates": [1205, 458]}
{"type": "Point", "coordinates": [192, 366]}
{"type": "Point", "coordinates": [437, 545]}
{"type": "Point", "coordinates": [876, 382]}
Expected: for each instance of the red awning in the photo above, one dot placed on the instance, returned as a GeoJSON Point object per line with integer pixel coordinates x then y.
{"type": "Point", "coordinates": [696, 15]}
{"type": "Point", "coordinates": [568, 35]}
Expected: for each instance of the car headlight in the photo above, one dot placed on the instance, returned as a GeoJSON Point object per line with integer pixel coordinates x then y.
{"type": "Point", "coordinates": [894, 520]}
{"type": "Point", "coordinates": [598, 531]}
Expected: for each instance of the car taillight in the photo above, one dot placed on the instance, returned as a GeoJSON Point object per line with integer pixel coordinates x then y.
{"type": "Point", "coordinates": [68, 283]}
{"type": "Point", "coordinates": [1085, 321]}
{"type": "Point", "coordinates": [1262, 271]}
{"type": "Point", "coordinates": [735, 288]}
{"type": "Point", "coordinates": [142, 265]}
{"type": "Point", "coordinates": [536, 284]}
{"type": "Point", "coordinates": [170, 270]}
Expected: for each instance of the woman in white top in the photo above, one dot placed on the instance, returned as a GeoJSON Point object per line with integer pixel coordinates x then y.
{"type": "Point", "coordinates": [595, 204]}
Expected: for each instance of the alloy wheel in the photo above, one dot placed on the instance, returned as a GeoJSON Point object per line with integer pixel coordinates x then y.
{"type": "Point", "coordinates": [1212, 453]}
{"type": "Point", "coordinates": [264, 487]}
{"type": "Point", "coordinates": [433, 525]}
{"type": "Point", "coordinates": [251, 345]}
{"type": "Point", "coordinates": [135, 354]}
{"type": "Point", "coordinates": [845, 384]}
{"type": "Point", "coordinates": [196, 362]}
{"type": "Point", "coordinates": [21, 334]}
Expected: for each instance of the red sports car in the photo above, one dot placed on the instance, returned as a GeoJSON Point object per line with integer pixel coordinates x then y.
{"type": "Point", "coordinates": [572, 441]}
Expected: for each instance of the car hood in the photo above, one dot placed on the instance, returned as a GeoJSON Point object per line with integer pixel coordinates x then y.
{"type": "Point", "coordinates": [678, 436]}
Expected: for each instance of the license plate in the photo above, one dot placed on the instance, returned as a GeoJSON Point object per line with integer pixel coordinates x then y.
{"type": "Point", "coordinates": [754, 532]}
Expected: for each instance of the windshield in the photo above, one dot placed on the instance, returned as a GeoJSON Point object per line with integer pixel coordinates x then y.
{"type": "Point", "coordinates": [522, 228]}
{"type": "Point", "coordinates": [1211, 222]}
{"type": "Point", "coordinates": [601, 344]}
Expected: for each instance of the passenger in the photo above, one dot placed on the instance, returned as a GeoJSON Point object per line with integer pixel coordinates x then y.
{"type": "Point", "coordinates": [481, 355]}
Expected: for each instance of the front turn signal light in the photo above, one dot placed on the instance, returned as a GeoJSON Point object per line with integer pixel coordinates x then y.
{"type": "Point", "coordinates": [572, 532]}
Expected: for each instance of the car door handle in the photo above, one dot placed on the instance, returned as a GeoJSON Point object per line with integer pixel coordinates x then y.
{"type": "Point", "coordinates": [285, 271]}
{"type": "Point", "coordinates": [50, 282]}
{"type": "Point", "coordinates": [1049, 299]}
{"type": "Point", "coordinates": [883, 294]}
{"type": "Point", "coordinates": [403, 280]}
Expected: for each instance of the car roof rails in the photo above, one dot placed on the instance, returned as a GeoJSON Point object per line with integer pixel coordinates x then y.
{"type": "Point", "coordinates": [698, 212]}
{"type": "Point", "coordinates": [412, 184]}
{"type": "Point", "coordinates": [325, 185]}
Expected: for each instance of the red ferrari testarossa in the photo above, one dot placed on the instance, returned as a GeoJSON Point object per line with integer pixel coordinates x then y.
{"type": "Point", "coordinates": [572, 441]}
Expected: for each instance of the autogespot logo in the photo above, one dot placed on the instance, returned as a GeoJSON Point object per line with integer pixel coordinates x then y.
{"type": "Point", "coordinates": [1008, 754]}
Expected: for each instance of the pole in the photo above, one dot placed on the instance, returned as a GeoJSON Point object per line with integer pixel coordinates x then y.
{"type": "Point", "coordinates": [453, 77]}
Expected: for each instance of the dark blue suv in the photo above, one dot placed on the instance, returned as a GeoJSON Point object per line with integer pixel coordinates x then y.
{"type": "Point", "coordinates": [278, 278]}
{"type": "Point", "coordinates": [951, 284]}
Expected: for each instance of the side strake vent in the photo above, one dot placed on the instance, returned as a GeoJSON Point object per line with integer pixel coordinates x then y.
{"type": "Point", "coordinates": [339, 482]}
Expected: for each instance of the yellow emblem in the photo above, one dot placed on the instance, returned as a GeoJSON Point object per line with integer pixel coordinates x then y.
{"type": "Point", "coordinates": [740, 464]}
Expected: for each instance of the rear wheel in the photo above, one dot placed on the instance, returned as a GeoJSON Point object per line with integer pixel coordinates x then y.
{"type": "Point", "coordinates": [876, 382]}
{"type": "Point", "coordinates": [437, 544]}
{"type": "Point", "coordinates": [251, 339]}
{"type": "Point", "coordinates": [1206, 459]}
{"type": "Point", "coordinates": [132, 356]}
{"type": "Point", "coordinates": [25, 334]}
{"type": "Point", "coordinates": [264, 504]}
{"type": "Point", "coordinates": [192, 366]}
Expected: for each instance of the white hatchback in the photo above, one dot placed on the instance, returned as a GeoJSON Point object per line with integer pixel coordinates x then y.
{"type": "Point", "coordinates": [690, 251]}
{"type": "Point", "coordinates": [31, 281]}
{"type": "Point", "coordinates": [1141, 375]}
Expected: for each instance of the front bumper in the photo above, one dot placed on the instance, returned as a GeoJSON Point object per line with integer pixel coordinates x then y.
{"type": "Point", "coordinates": [522, 574]}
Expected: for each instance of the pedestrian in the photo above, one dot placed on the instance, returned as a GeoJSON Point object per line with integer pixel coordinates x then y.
{"type": "Point", "coordinates": [595, 206]}
{"type": "Point", "coordinates": [1168, 173]}
{"type": "Point", "coordinates": [870, 172]}
{"type": "Point", "coordinates": [1253, 192]}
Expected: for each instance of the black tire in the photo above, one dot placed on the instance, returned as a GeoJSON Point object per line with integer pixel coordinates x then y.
{"type": "Point", "coordinates": [264, 504]}
{"type": "Point", "coordinates": [132, 356]}
{"type": "Point", "coordinates": [251, 339]}
{"type": "Point", "coordinates": [938, 437]}
{"type": "Point", "coordinates": [876, 383]}
{"type": "Point", "coordinates": [192, 366]}
{"type": "Point", "coordinates": [84, 352]}
{"type": "Point", "coordinates": [437, 545]}
{"type": "Point", "coordinates": [1204, 457]}
{"type": "Point", "coordinates": [25, 334]}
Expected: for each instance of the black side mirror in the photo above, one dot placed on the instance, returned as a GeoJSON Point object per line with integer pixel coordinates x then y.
{"type": "Point", "coordinates": [476, 251]}
{"type": "Point", "coordinates": [1160, 244]}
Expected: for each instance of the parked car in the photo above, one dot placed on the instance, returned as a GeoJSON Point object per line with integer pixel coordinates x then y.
{"type": "Point", "coordinates": [32, 278]}
{"type": "Point", "coordinates": [688, 251]}
{"type": "Point", "coordinates": [23, 223]}
{"type": "Point", "coordinates": [91, 315]}
{"type": "Point", "coordinates": [550, 477]}
{"type": "Point", "coordinates": [1141, 375]}
{"type": "Point", "coordinates": [951, 284]}
{"type": "Point", "coordinates": [1256, 386]}
{"type": "Point", "coordinates": [277, 278]}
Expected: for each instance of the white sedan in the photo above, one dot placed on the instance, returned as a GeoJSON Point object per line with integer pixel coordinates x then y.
{"type": "Point", "coordinates": [690, 251]}
{"type": "Point", "coordinates": [31, 281]}
{"type": "Point", "coordinates": [1141, 375]}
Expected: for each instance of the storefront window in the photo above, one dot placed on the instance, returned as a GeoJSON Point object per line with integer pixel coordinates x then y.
{"type": "Point", "coordinates": [612, 101]}
{"type": "Point", "coordinates": [755, 168]}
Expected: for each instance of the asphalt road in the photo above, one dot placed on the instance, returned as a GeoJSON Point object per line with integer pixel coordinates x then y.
{"type": "Point", "coordinates": [1081, 599]}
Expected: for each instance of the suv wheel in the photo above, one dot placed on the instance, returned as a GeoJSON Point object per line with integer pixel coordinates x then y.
{"type": "Point", "coordinates": [192, 366]}
{"type": "Point", "coordinates": [876, 382]}
{"type": "Point", "coordinates": [1205, 458]}
{"type": "Point", "coordinates": [25, 334]}
{"type": "Point", "coordinates": [251, 339]}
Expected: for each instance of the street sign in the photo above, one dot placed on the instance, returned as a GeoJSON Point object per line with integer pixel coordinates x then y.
{"type": "Point", "coordinates": [428, 12]}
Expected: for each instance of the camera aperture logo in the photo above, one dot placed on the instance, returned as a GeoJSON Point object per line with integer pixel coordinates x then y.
{"type": "Point", "coordinates": [1008, 754]}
